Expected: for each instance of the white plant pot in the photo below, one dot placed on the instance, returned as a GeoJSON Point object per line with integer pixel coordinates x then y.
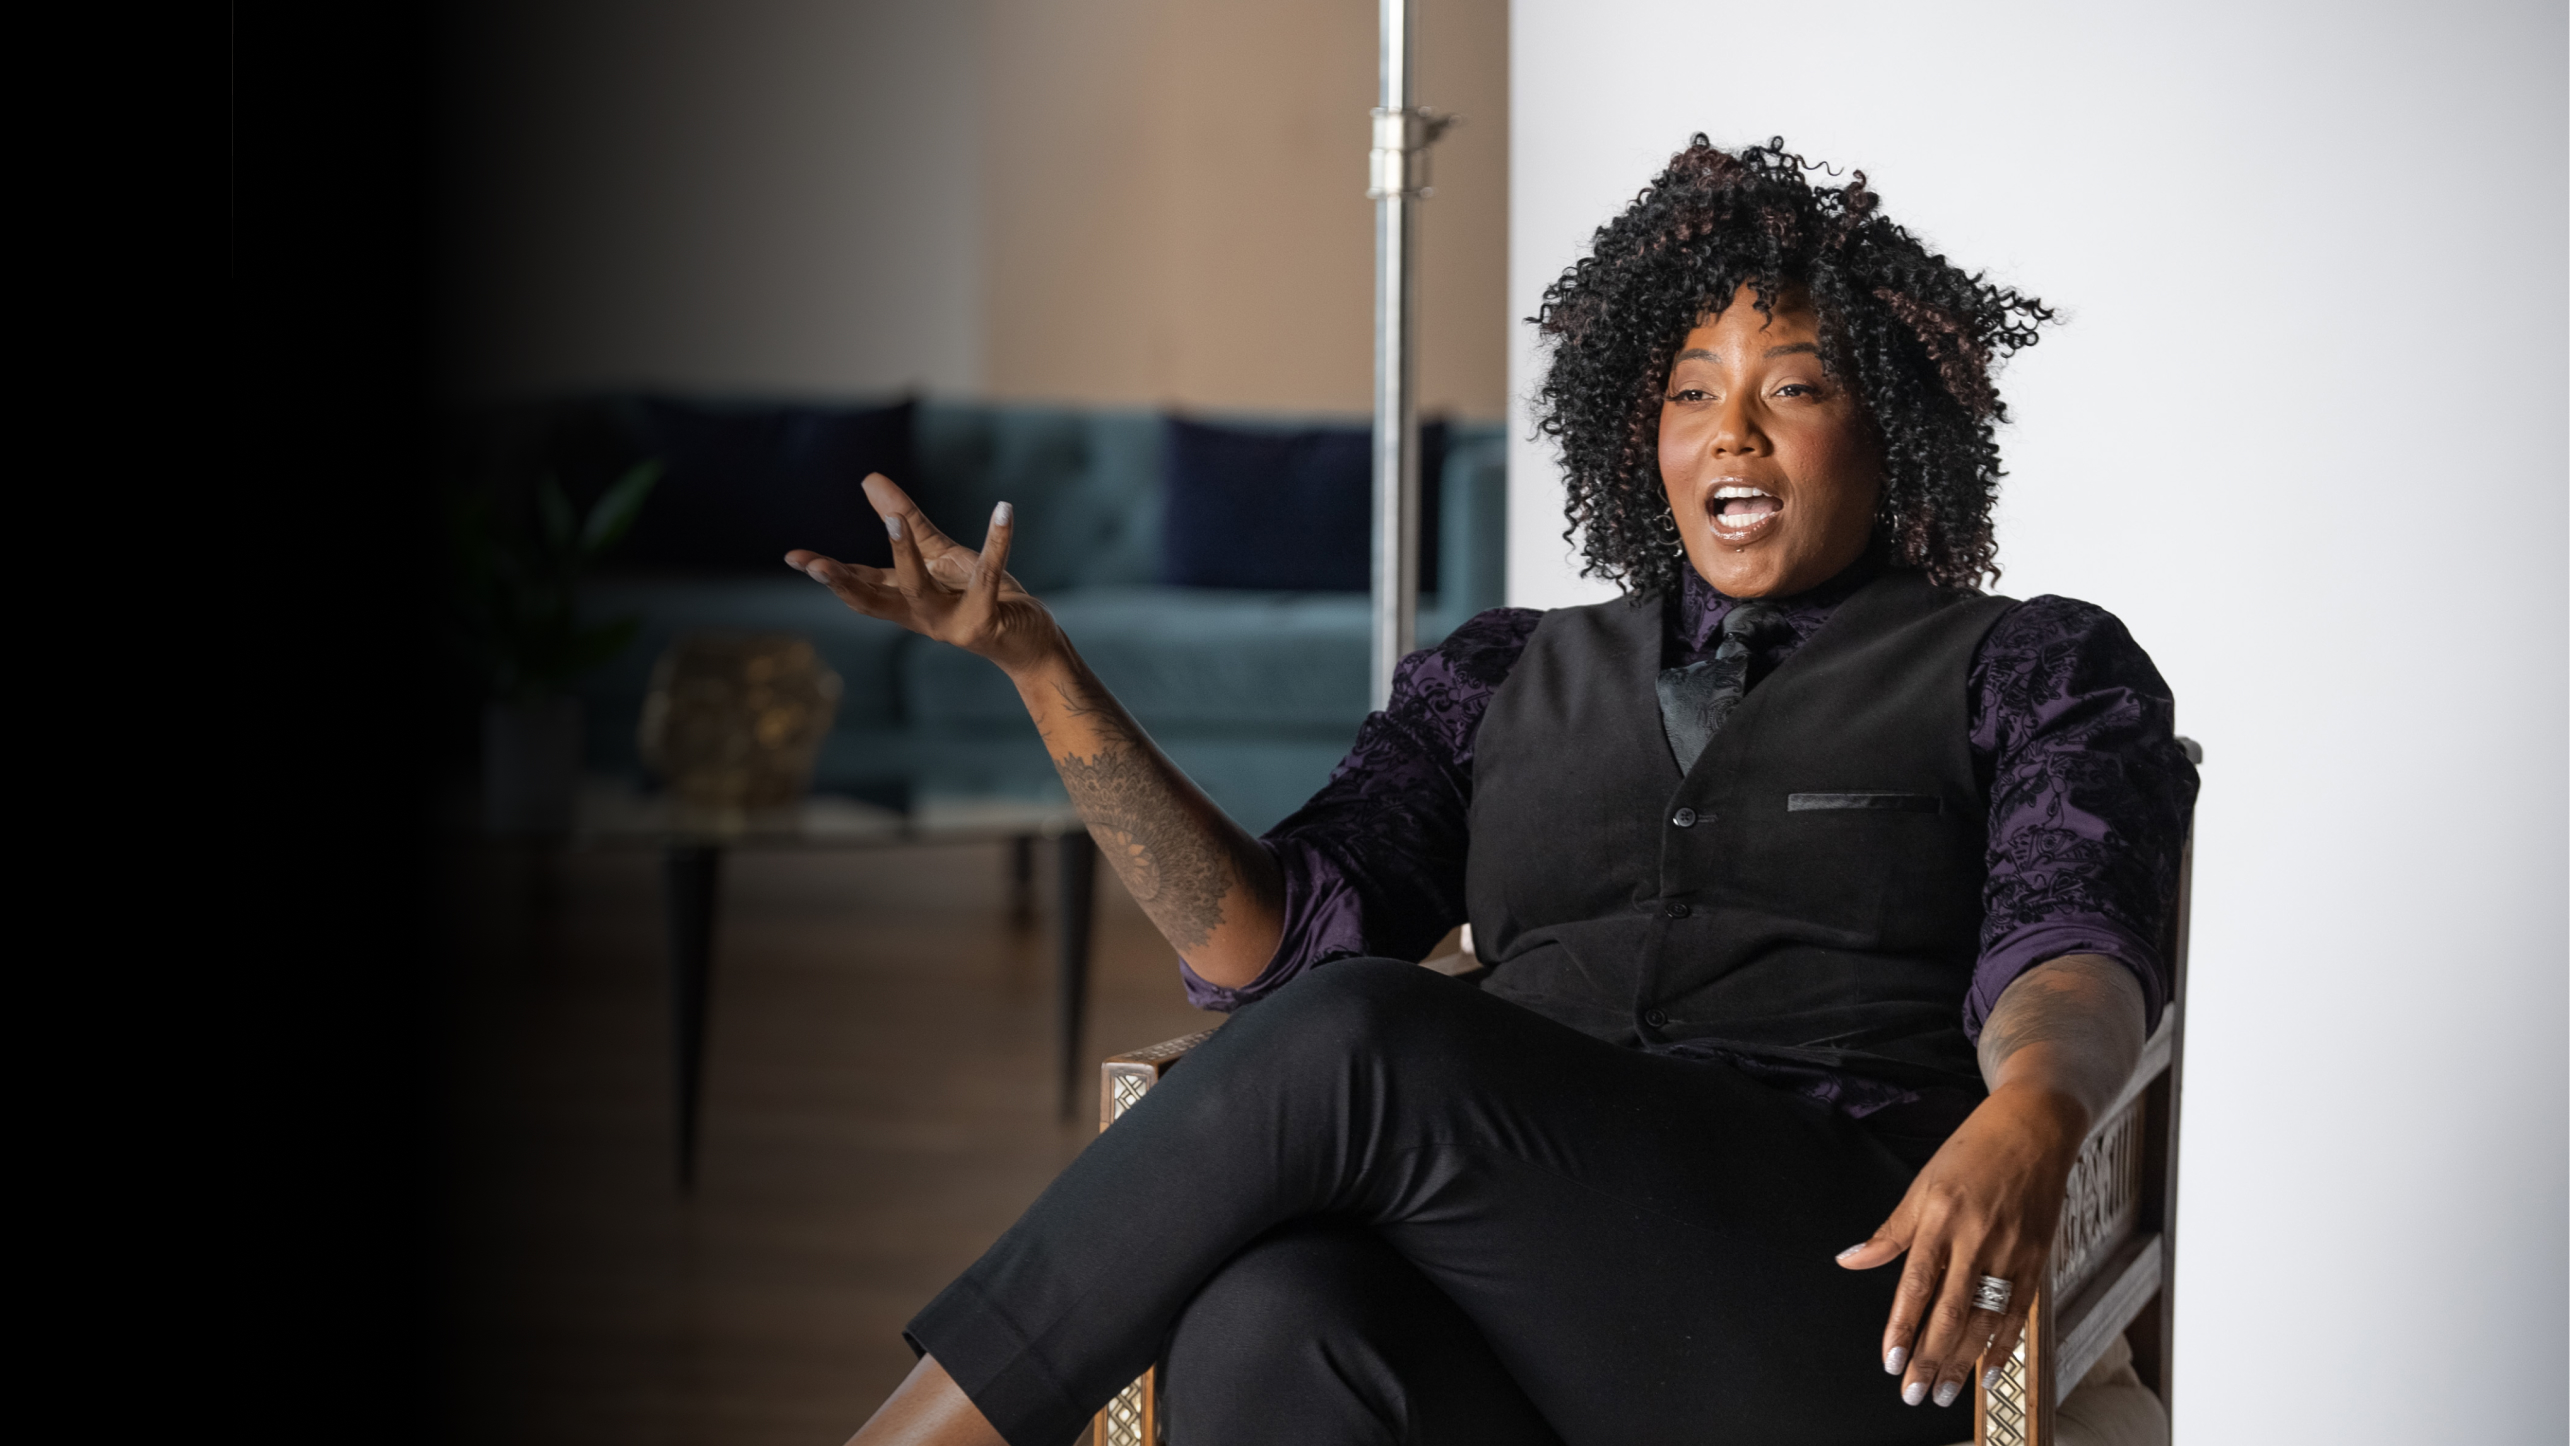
{"type": "Point", "coordinates": [531, 756]}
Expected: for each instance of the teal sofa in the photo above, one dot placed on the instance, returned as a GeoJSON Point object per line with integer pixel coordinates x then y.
{"type": "Point", "coordinates": [1255, 694]}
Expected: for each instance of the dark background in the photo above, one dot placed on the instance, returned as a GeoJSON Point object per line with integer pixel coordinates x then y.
{"type": "Point", "coordinates": [327, 1152]}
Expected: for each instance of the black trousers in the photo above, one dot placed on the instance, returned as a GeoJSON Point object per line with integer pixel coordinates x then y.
{"type": "Point", "coordinates": [1382, 1206]}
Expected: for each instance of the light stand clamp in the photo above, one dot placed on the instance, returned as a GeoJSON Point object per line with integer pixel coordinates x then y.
{"type": "Point", "coordinates": [1400, 156]}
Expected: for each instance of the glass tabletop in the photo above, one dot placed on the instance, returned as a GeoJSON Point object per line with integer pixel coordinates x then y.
{"type": "Point", "coordinates": [614, 813]}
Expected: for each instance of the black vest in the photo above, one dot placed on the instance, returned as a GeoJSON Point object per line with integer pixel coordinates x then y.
{"type": "Point", "coordinates": [1810, 892]}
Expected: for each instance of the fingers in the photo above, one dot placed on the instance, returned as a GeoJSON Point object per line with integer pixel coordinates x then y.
{"type": "Point", "coordinates": [864, 588]}
{"type": "Point", "coordinates": [1911, 1301]}
{"type": "Point", "coordinates": [890, 502]}
{"type": "Point", "coordinates": [1960, 1362]}
{"type": "Point", "coordinates": [2003, 1344]}
{"type": "Point", "coordinates": [1882, 1250]}
{"type": "Point", "coordinates": [982, 598]}
{"type": "Point", "coordinates": [1945, 1350]}
{"type": "Point", "coordinates": [1935, 1339]}
{"type": "Point", "coordinates": [1890, 1241]}
{"type": "Point", "coordinates": [909, 570]}
{"type": "Point", "coordinates": [1963, 1344]}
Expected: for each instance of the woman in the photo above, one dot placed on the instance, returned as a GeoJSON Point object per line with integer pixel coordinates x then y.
{"type": "Point", "coordinates": [1821, 897]}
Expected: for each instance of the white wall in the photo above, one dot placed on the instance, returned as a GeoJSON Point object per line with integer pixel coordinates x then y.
{"type": "Point", "coordinates": [2304, 432]}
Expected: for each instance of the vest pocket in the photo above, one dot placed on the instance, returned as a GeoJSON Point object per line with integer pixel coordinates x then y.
{"type": "Point", "coordinates": [1867, 802]}
{"type": "Point", "coordinates": [1828, 868]}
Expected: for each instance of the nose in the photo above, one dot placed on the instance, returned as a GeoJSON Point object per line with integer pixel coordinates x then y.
{"type": "Point", "coordinates": [1735, 429]}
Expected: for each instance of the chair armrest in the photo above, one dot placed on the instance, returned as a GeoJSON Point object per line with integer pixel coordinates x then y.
{"type": "Point", "coordinates": [1132, 1418]}
{"type": "Point", "coordinates": [1125, 1078]}
{"type": "Point", "coordinates": [1458, 965]}
{"type": "Point", "coordinates": [2108, 1225]}
{"type": "Point", "coordinates": [2110, 1255]}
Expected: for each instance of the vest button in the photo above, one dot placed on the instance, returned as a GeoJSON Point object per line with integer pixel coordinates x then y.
{"type": "Point", "coordinates": [1675, 911]}
{"type": "Point", "coordinates": [1656, 1018]}
{"type": "Point", "coordinates": [1683, 818]}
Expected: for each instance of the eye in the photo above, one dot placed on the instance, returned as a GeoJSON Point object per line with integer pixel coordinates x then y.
{"type": "Point", "coordinates": [1690, 394]}
{"type": "Point", "coordinates": [1798, 389]}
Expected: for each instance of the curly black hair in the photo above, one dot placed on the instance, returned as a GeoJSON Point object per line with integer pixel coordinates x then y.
{"type": "Point", "coordinates": [1916, 335]}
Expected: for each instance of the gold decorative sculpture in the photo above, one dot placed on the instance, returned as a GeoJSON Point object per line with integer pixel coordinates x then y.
{"type": "Point", "coordinates": [734, 721]}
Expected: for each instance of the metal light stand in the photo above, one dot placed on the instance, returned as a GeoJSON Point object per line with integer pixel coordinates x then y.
{"type": "Point", "coordinates": [1399, 176]}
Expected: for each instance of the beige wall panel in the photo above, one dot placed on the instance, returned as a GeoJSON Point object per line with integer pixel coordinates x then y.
{"type": "Point", "coordinates": [1174, 197]}
{"type": "Point", "coordinates": [1462, 66]}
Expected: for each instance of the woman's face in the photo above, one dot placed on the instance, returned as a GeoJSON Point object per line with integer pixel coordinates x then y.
{"type": "Point", "coordinates": [1771, 469]}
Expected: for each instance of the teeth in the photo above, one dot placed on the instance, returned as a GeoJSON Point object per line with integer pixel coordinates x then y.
{"type": "Point", "coordinates": [1723, 494]}
{"type": "Point", "coordinates": [1741, 524]}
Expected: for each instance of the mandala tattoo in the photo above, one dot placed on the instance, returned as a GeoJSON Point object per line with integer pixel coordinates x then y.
{"type": "Point", "coordinates": [1168, 861]}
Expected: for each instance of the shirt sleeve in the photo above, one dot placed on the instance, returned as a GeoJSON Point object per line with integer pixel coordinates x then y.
{"type": "Point", "coordinates": [2090, 796]}
{"type": "Point", "coordinates": [1374, 863]}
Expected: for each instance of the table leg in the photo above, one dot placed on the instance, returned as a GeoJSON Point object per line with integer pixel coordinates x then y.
{"type": "Point", "coordinates": [690, 878]}
{"type": "Point", "coordinates": [1021, 878]}
{"type": "Point", "coordinates": [1079, 861]}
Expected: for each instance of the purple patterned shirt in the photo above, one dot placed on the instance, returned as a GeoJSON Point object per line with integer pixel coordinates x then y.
{"type": "Point", "coordinates": [2071, 736]}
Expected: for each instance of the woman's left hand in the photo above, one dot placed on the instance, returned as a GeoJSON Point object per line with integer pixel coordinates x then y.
{"type": "Point", "coordinates": [2056, 1050]}
{"type": "Point", "coordinates": [1987, 1204]}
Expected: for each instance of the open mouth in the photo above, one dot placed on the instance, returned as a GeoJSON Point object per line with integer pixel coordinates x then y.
{"type": "Point", "coordinates": [1739, 512]}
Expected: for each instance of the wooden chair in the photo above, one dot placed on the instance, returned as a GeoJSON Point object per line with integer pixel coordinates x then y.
{"type": "Point", "coordinates": [2114, 1261]}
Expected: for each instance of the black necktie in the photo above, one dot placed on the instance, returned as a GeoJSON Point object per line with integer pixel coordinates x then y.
{"type": "Point", "coordinates": [1696, 700]}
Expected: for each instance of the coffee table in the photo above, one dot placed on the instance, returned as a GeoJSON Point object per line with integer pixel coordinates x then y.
{"type": "Point", "coordinates": [693, 843]}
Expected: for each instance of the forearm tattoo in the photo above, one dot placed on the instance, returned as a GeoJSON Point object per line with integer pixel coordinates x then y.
{"type": "Point", "coordinates": [1177, 865]}
{"type": "Point", "coordinates": [2085, 1001]}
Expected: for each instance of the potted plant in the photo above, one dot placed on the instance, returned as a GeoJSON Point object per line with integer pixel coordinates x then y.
{"type": "Point", "coordinates": [519, 596]}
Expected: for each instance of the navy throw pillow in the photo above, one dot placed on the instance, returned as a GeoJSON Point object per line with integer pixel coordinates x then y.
{"type": "Point", "coordinates": [1287, 510]}
{"type": "Point", "coordinates": [746, 484]}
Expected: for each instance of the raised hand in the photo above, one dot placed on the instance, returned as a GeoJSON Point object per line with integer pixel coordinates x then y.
{"type": "Point", "coordinates": [939, 588]}
{"type": "Point", "coordinates": [1213, 892]}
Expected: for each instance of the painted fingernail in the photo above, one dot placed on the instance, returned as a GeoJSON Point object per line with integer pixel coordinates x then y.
{"type": "Point", "coordinates": [1003, 515]}
{"type": "Point", "coordinates": [1946, 1393]}
{"type": "Point", "coordinates": [1894, 1359]}
{"type": "Point", "coordinates": [1851, 1250]}
{"type": "Point", "coordinates": [1990, 1379]}
{"type": "Point", "coordinates": [892, 525]}
{"type": "Point", "coordinates": [1913, 1393]}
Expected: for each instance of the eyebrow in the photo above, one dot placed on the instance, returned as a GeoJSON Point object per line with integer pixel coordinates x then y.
{"type": "Point", "coordinates": [1697, 353]}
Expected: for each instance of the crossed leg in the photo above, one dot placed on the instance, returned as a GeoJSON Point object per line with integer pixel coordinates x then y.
{"type": "Point", "coordinates": [1644, 1245]}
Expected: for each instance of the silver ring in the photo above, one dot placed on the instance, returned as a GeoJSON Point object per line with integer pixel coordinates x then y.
{"type": "Point", "coordinates": [1992, 1295]}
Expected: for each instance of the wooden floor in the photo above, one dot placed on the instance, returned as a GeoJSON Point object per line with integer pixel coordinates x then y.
{"type": "Point", "coordinates": [879, 1106]}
